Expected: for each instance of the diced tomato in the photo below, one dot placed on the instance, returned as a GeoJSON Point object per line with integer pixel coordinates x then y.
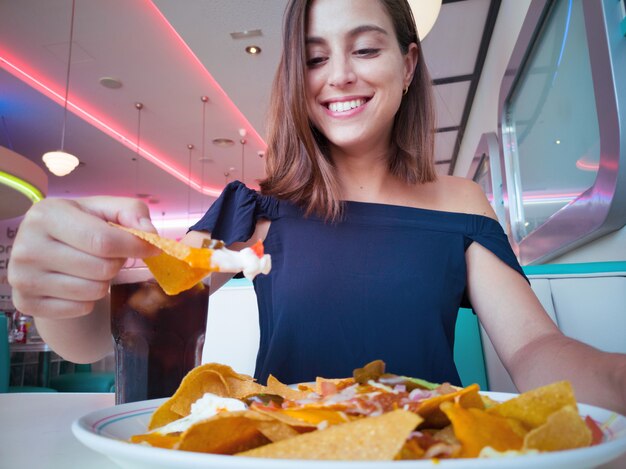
{"type": "Point", "coordinates": [269, 407]}
{"type": "Point", "coordinates": [596, 432]}
{"type": "Point", "coordinates": [328, 388]}
{"type": "Point", "coordinates": [258, 248]}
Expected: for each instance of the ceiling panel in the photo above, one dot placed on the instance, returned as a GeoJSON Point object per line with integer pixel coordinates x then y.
{"type": "Point", "coordinates": [450, 102]}
{"type": "Point", "coordinates": [444, 145]}
{"type": "Point", "coordinates": [443, 169]}
{"type": "Point", "coordinates": [237, 72]}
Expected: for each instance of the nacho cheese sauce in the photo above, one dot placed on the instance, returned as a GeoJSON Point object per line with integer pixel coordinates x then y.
{"type": "Point", "coordinates": [245, 260]}
{"type": "Point", "coordinates": [204, 408]}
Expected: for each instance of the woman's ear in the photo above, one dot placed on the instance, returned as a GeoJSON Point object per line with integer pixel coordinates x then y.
{"type": "Point", "coordinates": [410, 62]}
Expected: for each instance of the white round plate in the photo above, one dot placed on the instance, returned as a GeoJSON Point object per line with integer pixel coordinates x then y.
{"type": "Point", "coordinates": [107, 431]}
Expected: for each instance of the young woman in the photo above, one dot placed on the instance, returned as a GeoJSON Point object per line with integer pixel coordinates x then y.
{"type": "Point", "coordinates": [372, 252]}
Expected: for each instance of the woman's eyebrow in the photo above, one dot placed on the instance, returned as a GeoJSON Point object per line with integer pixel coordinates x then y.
{"type": "Point", "coordinates": [364, 28]}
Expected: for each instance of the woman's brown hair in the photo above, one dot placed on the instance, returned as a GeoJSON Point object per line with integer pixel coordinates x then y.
{"type": "Point", "coordinates": [298, 164]}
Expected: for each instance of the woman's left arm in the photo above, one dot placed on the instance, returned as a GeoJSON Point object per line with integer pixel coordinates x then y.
{"type": "Point", "coordinates": [530, 345]}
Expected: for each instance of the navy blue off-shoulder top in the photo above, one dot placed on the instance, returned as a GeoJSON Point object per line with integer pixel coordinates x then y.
{"type": "Point", "coordinates": [384, 283]}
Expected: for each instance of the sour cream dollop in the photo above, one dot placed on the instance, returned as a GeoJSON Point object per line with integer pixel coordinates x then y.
{"type": "Point", "coordinates": [204, 408]}
{"type": "Point", "coordinates": [246, 260]}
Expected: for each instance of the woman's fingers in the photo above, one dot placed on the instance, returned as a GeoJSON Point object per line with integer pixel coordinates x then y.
{"type": "Point", "coordinates": [54, 308]}
{"type": "Point", "coordinates": [63, 259]}
{"type": "Point", "coordinates": [82, 224]}
{"type": "Point", "coordinates": [65, 253]}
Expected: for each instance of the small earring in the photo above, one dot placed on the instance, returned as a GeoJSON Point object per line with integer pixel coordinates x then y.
{"type": "Point", "coordinates": [405, 91]}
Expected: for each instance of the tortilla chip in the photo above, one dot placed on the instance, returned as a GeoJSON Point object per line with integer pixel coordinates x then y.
{"type": "Point", "coordinates": [374, 438]}
{"type": "Point", "coordinates": [475, 429]}
{"type": "Point", "coordinates": [326, 386]}
{"type": "Point", "coordinates": [163, 415]}
{"type": "Point", "coordinates": [179, 267]}
{"type": "Point", "coordinates": [299, 425]}
{"type": "Point", "coordinates": [240, 388]}
{"type": "Point", "coordinates": [275, 430]}
{"type": "Point", "coordinates": [210, 377]}
{"type": "Point", "coordinates": [205, 381]}
{"type": "Point", "coordinates": [533, 408]}
{"type": "Point", "coordinates": [174, 276]}
{"type": "Point", "coordinates": [283, 390]}
{"type": "Point", "coordinates": [225, 433]}
{"type": "Point", "coordinates": [199, 258]}
{"type": "Point", "coordinates": [372, 370]}
{"type": "Point", "coordinates": [433, 417]}
{"type": "Point", "coordinates": [157, 440]}
{"type": "Point", "coordinates": [238, 385]}
{"type": "Point", "coordinates": [564, 429]}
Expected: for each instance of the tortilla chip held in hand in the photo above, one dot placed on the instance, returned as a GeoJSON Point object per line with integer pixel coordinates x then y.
{"type": "Point", "coordinates": [179, 266]}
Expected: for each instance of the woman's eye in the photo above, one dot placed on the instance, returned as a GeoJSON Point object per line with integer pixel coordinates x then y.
{"type": "Point", "coordinates": [368, 52]}
{"type": "Point", "coordinates": [314, 61]}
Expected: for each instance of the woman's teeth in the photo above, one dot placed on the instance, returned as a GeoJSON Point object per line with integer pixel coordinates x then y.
{"type": "Point", "coordinates": [345, 105]}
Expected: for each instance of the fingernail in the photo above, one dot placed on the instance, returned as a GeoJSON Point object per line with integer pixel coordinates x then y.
{"type": "Point", "coordinates": [146, 225]}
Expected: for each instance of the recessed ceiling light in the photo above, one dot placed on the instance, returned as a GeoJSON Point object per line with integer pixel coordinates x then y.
{"type": "Point", "coordinates": [253, 50]}
{"type": "Point", "coordinates": [223, 142]}
{"type": "Point", "coordinates": [111, 83]}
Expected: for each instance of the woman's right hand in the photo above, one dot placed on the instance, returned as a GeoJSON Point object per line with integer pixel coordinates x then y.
{"type": "Point", "coordinates": [65, 253]}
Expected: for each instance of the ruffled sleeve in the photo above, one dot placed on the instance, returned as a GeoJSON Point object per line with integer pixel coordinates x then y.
{"type": "Point", "coordinates": [489, 233]}
{"type": "Point", "coordinates": [233, 216]}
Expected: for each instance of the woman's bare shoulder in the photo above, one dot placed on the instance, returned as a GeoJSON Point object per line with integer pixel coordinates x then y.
{"type": "Point", "coordinates": [458, 194]}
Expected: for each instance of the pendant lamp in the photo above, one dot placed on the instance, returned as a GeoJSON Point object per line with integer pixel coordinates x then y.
{"type": "Point", "coordinates": [61, 163]}
{"type": "Point", "coordinates": [425, 13]}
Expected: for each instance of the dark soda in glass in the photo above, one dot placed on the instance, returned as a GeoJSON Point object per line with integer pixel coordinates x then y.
{"type": "Point", "coordinates": [158, 338]}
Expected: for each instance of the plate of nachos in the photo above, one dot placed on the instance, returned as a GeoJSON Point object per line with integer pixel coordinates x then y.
{"type": "Point", "coordinates": [219, 418]}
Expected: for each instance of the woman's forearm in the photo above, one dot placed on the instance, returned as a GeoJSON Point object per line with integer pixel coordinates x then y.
{"type": "Point", "coordinates": [599, 378]}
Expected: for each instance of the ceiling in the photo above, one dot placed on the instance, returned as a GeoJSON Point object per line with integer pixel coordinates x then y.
{"type": "Point", "coordinates": [167, 54]}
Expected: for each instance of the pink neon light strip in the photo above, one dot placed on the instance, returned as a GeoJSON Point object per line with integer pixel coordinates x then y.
{"type": "Point", "coordinates": [99, 124]}
{"type": "Point", "coordinates": [586, 166]}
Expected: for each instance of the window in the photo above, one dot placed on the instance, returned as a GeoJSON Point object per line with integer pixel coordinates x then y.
{"type": "Point", "coordinates": [559, 129]}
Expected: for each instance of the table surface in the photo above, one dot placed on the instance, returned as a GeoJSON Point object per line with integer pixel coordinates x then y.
{"type": "Point", "coordinates": [35, 431]}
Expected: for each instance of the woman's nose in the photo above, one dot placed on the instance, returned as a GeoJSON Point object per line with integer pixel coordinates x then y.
{"type": "Point", "coordinates": [341, 72]}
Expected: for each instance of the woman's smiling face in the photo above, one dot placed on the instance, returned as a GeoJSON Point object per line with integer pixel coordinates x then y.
{"type": "Point", "coordinates": [355, 73]}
